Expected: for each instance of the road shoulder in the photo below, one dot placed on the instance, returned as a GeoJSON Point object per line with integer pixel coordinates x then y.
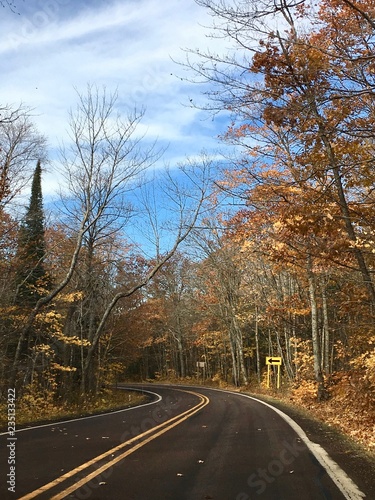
{"type": "Point", "coordinates": [349, 455]}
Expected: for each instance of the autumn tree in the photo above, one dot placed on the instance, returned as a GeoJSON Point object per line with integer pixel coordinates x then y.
{"type": "Point", "coordinates": [8, 251]}
{"type": "Point", "coordinates": [21, 146]}
{"type": "Point", "coordinates": [290, 90]}
{"type": "Point", "coordinates": [224, 267]}
{"type": "Point", "coordinates": [171, 308]}
{"type": "Point", "coordinates": [31, 280]}
{"type": "Point", "coordinates": [302, 113]}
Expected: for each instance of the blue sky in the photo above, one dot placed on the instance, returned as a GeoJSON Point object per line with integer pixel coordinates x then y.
{"type": "Point", "coordinates": [51, 47]}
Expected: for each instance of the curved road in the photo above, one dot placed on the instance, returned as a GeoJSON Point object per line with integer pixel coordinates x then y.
{"type": "Point", "coordinates": [185, 444]}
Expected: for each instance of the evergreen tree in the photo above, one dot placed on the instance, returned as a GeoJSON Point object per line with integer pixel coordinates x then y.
{"type": "Point", "coordinates": [31, 276]}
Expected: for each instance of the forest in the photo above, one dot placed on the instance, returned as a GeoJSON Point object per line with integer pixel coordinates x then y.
{"type": "Point", "coordinates": [267, 252]}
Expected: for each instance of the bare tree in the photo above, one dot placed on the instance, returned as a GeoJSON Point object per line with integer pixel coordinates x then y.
{"type": "Point", "coordinates": [21, 146]}
{"type": "Point", "coordinates": [8, 114]}
{"type": "Point", "coordinates": [103, 161]}
{"type": "Point", "coordinates": [187, 188]}
{"type": "Point", "coordinates": [100, 166]}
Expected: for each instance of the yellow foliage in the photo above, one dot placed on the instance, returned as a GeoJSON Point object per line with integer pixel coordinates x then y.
{"type": "Point", "coordinates": [364, 365]}
{"type": "Point", "coordinates": [61, 368]}
{"type": "Point", "coordinates": [302, 358]}
{"type": "Point", "coordinates": [73, 340]}
{"type": "Point", "coordinates": [44, 349]}
{"type": "Point", "coordinates": [111, 371]}
{"type": "Point", "coordinates": [36, 401]}
{"type": "Point", "coordinates": [49, 322]}
{"type": "Point", "coordinates": [50, 317]}
{"type": "Point", "coordinates": [72, 297]}
{"type": "Point", "coordinates": [304, 393]}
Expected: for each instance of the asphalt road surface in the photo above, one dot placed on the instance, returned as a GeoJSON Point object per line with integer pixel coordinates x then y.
{"type": "Point", "coordinates": [185, 444]}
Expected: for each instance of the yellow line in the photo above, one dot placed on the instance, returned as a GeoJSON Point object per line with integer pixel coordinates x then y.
{"type": "Point", "coordinates": [169, 424]}
{"type": "Point", "coordinates": [106, 466]}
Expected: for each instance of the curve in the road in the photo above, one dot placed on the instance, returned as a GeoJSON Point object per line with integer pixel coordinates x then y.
{"type": "Point", "coordinates": [145, 438]}
{"type": "Point", "coordinates": [347, 487]}
{"type": "Point", "coordinates": [157, 399]}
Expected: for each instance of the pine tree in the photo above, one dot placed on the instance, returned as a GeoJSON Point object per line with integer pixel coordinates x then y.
{"type": "Point", "coordinates": [31, 276]}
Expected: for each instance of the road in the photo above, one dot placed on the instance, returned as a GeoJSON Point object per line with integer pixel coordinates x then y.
{"type": "Point", "coordinates": [185, 444]}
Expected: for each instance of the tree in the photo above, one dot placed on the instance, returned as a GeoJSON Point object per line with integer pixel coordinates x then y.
{"type": "Point", "coordinates": [102, 167]}
{"type": "Point", "coordinates": [31, 279]}
{"type": "Point", "coordinates": [170, 307]}
{"type": "Point", "coordinates": [20, 147]}
{"type": "Point", "coordinates": [188, 202]}
{"type": "Point", "coordinates": [223, 266]}
{"type": "Point", "coordinates": [301, 100]}
{"type": "Point", "coordinates": [290, 90]}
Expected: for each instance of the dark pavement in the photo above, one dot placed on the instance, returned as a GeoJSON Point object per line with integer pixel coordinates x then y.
{"type": "Point", "coordinates": [230, 448]}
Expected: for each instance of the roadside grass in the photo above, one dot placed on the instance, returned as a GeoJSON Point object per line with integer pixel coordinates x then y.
{"type": "Point", "coordinates": [38, 409]}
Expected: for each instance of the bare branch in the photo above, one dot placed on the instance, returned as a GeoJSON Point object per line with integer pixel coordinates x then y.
{"type": "Point", "coordinates": [190, 207]}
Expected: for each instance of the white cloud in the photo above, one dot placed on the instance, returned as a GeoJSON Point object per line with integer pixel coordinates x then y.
{"type": "Point", "coordinates": [57, 45]}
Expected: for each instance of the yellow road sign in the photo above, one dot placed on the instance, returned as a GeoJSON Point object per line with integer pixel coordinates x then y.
{"type": "Point", "coordinates": [273, 360]}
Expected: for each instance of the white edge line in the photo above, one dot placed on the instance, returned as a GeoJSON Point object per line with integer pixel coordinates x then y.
{"type": "Point", "coordinates": [344, 483]}
{"type": "Point", "coordinates": [61, 422]}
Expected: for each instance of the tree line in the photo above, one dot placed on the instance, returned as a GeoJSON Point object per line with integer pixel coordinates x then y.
{"type": "Point", "coordinates": [291, 272]}
{"type": "Point", "coordinates": [286, 270]}
{"type": "Point", "coordinates": [67, 282]}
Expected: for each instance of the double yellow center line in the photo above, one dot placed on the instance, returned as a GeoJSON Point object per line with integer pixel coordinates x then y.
{"type": "Point", "coordinates": [146, 437]}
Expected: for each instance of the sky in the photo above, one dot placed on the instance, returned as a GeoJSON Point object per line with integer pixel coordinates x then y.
{"type": "Point", "coordinates": [50, 49]}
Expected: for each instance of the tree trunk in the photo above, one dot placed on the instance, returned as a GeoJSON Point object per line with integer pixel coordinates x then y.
{"type": "Point", "coordinates": [239, 343]}
{"type": "Point", "coordinates": [257, 345]}
{"type": "Point", "coordinates": [315, 331]}
{"type": "Point", "coordinates": [325, 339]}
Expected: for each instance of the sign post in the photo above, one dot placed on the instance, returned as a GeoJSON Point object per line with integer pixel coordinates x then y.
{"type": "Point", "coordinates": [202, 364]}
{"type": "Point", "coordinates": [270, 361]}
